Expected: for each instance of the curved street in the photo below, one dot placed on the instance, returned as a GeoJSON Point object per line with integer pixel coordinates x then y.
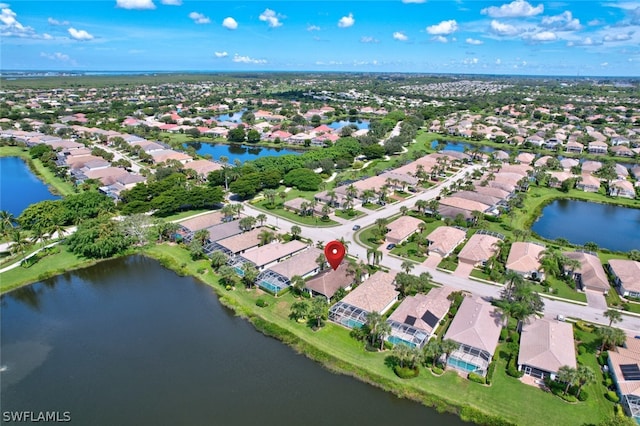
{"type": "Point", "coordinates": [553, 307]}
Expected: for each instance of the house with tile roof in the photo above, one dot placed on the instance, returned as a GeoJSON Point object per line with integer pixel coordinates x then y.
{"type": "Point", "coordinates": [545, 346]}
{"type": "Point", "coordinates": [476, 328]}
{"type": "Point", "coordinates": [328, 282]}
{"type": "Point", "coordinates": [524, 258]}
{"type": "Point", "coordinates": [626, 276]}
{"type": "Point", "coordinates": [590, 275]}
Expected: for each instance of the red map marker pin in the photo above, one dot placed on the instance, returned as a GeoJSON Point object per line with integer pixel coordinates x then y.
{"type": "Point", "coordinates": [334, 252]}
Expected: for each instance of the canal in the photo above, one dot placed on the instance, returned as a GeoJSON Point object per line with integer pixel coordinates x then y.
{"type": "Point", "coordinates": [129, 342]}
{"type": "Point", "coordinates": [238, 152]}
{"type": "Point", "coordinates": [19, 187]}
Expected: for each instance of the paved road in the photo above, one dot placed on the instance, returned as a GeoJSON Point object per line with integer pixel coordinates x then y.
{"type": "Point", "coordinates": [553, 308]}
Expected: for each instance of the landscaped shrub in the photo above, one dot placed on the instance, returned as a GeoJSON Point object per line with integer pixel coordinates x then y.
{"type": "Point", "coordinates": [504, 334]}
{"type": "Point", "coordinates": [581, 349]}
{"type": "Point", "coordinates": [512, 369]}
{"type": "Point", "coordinates": [608, 381]}
{"type": "Point", "coordinates": [490, 370]}
{"type": "Point", "coordinates": [437, 370]}
{"type": "Point", "coordinates": [581, 325]}
{"type": "Point", "coordinates": [405, 372]}
{"type": "Point", "coordinates": [612, 396]}
{"type": "Point", "coordinates": [476, 378]}
{"type": "Point", "coordinates": [261, 303]}
{"type": "Point", "coordinates": [583, 396]}
{"type": "Point", "coordinates": [568, 397]}
{"type": "Point", "coordinates": [602, 358]}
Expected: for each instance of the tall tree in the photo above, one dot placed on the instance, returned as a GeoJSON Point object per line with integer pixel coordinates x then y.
{"type": "Point", "coordinates": [614, 316]}
{"type": "Point", "coordinates": [567, 375]}
{"type": "Point", "coordinates": [319, 310]}
{"type": "Point", "coordinates": [584, 376]}
{"type": "Point", "coordinates": [610, 337]}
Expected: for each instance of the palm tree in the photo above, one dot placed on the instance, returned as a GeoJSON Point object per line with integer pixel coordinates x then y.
{"type": "Point", "coordinates": [432, 350]}
{"type": "Point", "coordinates": [407, 266]}
{"type": "Point", "coordinates": [345, 243]}
{"type": "Point", "coordinates": [448, 346]}
{"type": "Point", "coordinates": [227, 275]}
{"type": "Point", "coordinates": [321, 260]}
{"type": "Point", "coordinates": [265, 237]}
{"type": "Point", "coordinates": [296, 231]}
{"type": "Point", "coordinates": [7, 221]}
{"type": "Point", "coordinates": [512, 279]}
{"type": "Point", "coordinates": [421, 206]}
{"type": "Point", "coordinates": [613, 315]}
{"type": "Point", "coordinates": [19, 244]}
{"type": "Point", "coordinates": [249, 274]}
{"type": "Point", "coordinates": [404, 210]}
{"type": "Point", "coordinates": [246, 223]}
{"type": "Point", "coordinates": [610, 336]}
{"type": "Point", "coordinates": [270, 195]}
{"type": "Point", "coordinates": [567, 375]}
{"type": "Point", "coordinates": [319, 310]}
{"type": "Point", "coordinates": [299, 310]}
{"type": "Point", "coordinates": [585, 375]}
{"type": "Point", "coordinates": [378, 328]}
{"type": "Point", "coordinates": [262, 218]}
{"type": "Point", "coordinates": [218, 258]}
{"type": "Point", "coordinates": [297, 284]}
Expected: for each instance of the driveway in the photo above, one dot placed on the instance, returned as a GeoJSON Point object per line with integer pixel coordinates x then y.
{"type": "Point", "coordinates": [463, 269]}
{"type": "Point", "coordinates": [433, 260]}
{"type": "Point", "coordinates": [595, 299]}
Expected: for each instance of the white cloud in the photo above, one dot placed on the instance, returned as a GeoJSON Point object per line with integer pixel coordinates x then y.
{"type": "Point", "coordinates": [229, 23]}
{"type": "Point", "coordinates": [81, 35]}
{"type": "Point", "coordinates": [604, 64]}
{"type": "Point", "coordinates": [247, 60]}
{"type": "Point", "coordinates": [498, 61]}
{"type": "Point", "coordinates": [313, 28]}
{"type": "Point", "coordinates": [544, 36]}
{"type": "Point", "coordinates": [368, 39]}
{"type": "Point", "coordinates": [199, 18]}
{"type": "Point", "coordinates": [503, 29]}
{"type": "Point", "coordinates": [221, 54]}
{"type": "Point", "coordinates": [617, 37]}
{"type": "Point", "coordinates": [171, 2]}
{"type": "Point", "coordinates": [587, 41]}
{"type": "Point", "coordinates": [563, 22]}
{"type": "Point", "coordinates": [53, 21]}
{"type": "Point", "coordinates": [440, 39]}
{"type": "Point", "coordinates": [271, 17]}
{"type": "Point", "coordinates": [470, 61]}
{"type": "Point", "coordinates": [10, 27]}
{"type": "Point", "coordinates": [595, 22]}
{"type": "Point", "coordinates": [346, 21]}
{"type": "Point", "coordinates": [400, 36]}
{"type": "Point", "coordinates": [515, 9]}
{"type": "Point", "coordinates": [55, 56]}
{"type": "Point", "coordinates": [136, 4]}
{"type": "Point", "coordinates": [443, 28]}
{"type": "Point", "coordinates": [473, 41]}
{"type": "Point", "coordinates": [47, 36]}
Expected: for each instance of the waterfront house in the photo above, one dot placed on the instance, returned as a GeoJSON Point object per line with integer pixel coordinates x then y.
{"type": "Point", "coordinates": [626, 276]}
{"type": "Point", "coordinates": [624, 367]}
{"type": "Point", "coordinates": [202, 221]}
{"type": "Point", "coordinates": [402, 228]}
{"type": "Point", "coordinates": [376, 294]}
{"type": "Point", "coordinates": [278, 276]}
{"type": "Point", "coordinates": [588, 183]}
{"type": "Point", "coordinates": [545, 346]}
{"type": "Point", "coordinates": [598, 147]}
{"type": "Point", "coordinates": [329, 281]}
{"type": "Point", "coordinates": [622, 188]}
{"type": "Point", "coordinates": [417, 317]}
{"type": "Point", "coordinates": [524, 258]}
{"type": "Point", "coordinates": [269, 254]}
{"type": "Point", "coordinates": [203, 167]}
{"type": "Point", "coordinates": [575, 147]}
{"type": "Point", "coordinates": [239, 243]}
{"type": "Point", "coordinates": [476, 328]}
{"type": "Point", "coordinates": [590, 275]}
{"type": "Point", "coordinates": [591, 166]}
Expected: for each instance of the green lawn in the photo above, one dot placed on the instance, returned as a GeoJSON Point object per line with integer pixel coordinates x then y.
{"type": "Point", "coordinates": [562, 289]}
{"type": "Point", "coordinates": [63, 260]}
{"type": "Point", "coordinates": [333, 346]}
{"type": "Point", "coordinates": [349, 215]}
{"type": "Point", "coordinates": [291, 216]}
{"type": "Point", "coordinates": [411, 251]}
{"type": "Point", "coordinates": [182, 215]}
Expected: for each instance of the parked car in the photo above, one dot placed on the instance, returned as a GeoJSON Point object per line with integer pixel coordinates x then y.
{"type": "Point", "coordinates": [356, 227]}
{"type": "Point", "coordinates": [391, 246]}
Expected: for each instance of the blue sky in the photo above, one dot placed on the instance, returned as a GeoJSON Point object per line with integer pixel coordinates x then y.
{"type": "Point", "coordinates": [519, 37]}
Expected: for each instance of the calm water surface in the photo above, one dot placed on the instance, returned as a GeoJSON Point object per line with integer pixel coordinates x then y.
{"type": "Point", "coordinates": [362, 124]}
{"type": "Point", "coordinates": [129, 342]}
{"type": "Point", "coordinates": [239, 152]}
{"type": "Point", "coordinates": [19, 187]}
{"type": "Point", "coordinates": [461, 146]}
{"type": "Point", "coordinates": [612, 227]}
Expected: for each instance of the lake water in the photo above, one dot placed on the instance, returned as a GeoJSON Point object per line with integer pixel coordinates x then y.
{"type": "Point", "coordinates": [460, 146]}
{"type": "Point", "coordinates": [130, 342]}
{"type": "Point", "coordinates": [239, 152]}
{"type": "Point", "coordinates": [612, 227]}
{"type": "Point", "coordinates": [19, 187]}
{"type": "Point", "coordinates": [362, 124]}
{"type": "Point", "coordinates": [234, 117]}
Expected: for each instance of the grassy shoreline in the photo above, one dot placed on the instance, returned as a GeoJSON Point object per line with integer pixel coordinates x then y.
{"type": "Point", "coordinates": [56, 185]}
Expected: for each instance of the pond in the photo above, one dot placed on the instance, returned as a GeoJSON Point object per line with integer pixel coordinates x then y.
{"type": "Point", "coordinates": [612, 227]}
{"type": "Point", "coordinates": [129, 342]}
{"type": "Point", "coordinates": [234, 117]}
{"type": "Point", "coordinates": [19, 187]}
{"type": "Point", "coordinates": [362, 124]}
{"type": "Point", "coordinates": [239, 152]}
{"type": "Point", "coordinates": [461, 146]}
